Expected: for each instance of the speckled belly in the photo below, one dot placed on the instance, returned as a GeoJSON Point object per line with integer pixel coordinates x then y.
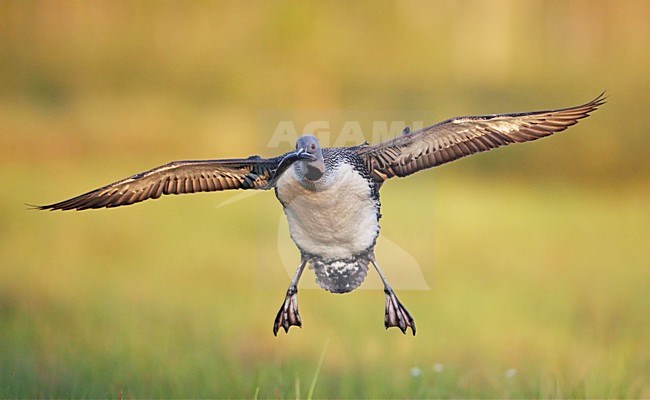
{"type": "Point", "coordinates": [340, 276]}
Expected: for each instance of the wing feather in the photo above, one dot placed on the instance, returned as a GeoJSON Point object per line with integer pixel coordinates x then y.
{"type": "Point", "coordinates": [462, 136]}
{"type": "Point", "coordinates": [177, 177]}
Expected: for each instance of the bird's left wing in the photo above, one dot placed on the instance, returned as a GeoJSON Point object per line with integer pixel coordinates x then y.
{"type": "Point", "coordinates": [177, 177]}
{"type": "Point", "coordinates": [463, 136]}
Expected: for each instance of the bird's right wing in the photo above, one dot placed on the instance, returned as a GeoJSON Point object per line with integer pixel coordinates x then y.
{"type": "Point", "coordinates": [177, 177]}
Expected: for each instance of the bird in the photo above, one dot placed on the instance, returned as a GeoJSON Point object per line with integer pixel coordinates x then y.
{"type": "Point", "coordinates": [330, 196]}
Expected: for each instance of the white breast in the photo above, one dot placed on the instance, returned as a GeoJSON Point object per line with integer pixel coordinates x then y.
{"type": "Point", "coordinates": [334, 222]}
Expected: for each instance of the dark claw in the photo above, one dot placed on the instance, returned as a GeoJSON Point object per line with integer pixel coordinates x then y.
{"type": "Point", "coordinates": [288, 314]}
{"type": "Point", "coordinates": [396, 314]}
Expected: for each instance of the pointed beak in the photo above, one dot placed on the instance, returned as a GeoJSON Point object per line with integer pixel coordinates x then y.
{"type": "Point", "coordinates": [301, 154]}
{"type": "Point", "coordinates": [287, 161]}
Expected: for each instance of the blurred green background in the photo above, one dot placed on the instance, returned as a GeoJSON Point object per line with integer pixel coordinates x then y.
{"type": "Point", "coordinates": [537, 255]}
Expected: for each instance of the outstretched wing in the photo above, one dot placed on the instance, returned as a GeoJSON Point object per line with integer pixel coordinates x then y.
{"type": "Point", "coordinates": [463, 136]}
{"type": "Point", "coordinates": [177, 177]}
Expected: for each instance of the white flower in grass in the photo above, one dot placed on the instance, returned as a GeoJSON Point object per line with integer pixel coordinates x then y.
{"type": "Point", "coordinates": [510, 373]}
{"type": "Point", "coordinates": [438, 368]}
{"type": "Point", "coordinates": [416, 372]}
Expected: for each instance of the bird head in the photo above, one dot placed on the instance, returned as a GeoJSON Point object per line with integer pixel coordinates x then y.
{"type": "Point", "coordinates": [310, 162]}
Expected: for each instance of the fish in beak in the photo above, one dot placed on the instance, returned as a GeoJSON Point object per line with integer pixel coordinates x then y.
{"type": "Point", "coordinates": [287, 161]}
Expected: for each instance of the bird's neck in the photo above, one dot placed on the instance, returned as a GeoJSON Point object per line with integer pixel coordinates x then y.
{"type": "Point", "coordinates": [310, 171]}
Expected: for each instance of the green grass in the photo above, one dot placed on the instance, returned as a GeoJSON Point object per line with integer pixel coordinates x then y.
{"type": "Point", "coordinates": [536, 255]}
{"type": "Point", "coordinates": [173, 298]}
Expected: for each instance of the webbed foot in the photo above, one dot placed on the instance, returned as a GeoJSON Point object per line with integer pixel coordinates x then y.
{"type": "Point", "coordinates": [396, 313]}
{"type": "Point", "coordinates": [288, 314]}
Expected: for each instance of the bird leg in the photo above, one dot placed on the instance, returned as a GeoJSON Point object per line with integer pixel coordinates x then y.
{"type": "Point", "coordinates": [288, 314]}
{"type": "Point", "coordinates": [396, 313]}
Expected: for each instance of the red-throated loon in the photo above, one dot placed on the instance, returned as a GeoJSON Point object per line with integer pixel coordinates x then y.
{"type": "Point", "coordinates": [331, 195]}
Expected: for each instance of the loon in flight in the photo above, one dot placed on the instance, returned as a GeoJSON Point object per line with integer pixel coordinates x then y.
{"type": "Point", "coordinates": [330, 196]}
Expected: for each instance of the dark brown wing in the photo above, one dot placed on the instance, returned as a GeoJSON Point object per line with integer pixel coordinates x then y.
{"type": "Point", "coordinates": [463, 136]}
{"type": "Point", "coordinates": [177, 177]}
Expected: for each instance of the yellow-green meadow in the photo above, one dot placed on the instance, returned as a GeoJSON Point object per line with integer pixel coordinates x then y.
{"type": "Point", "coordinates": [536, 255]}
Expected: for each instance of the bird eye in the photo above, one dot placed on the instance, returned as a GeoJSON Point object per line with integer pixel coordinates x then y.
{"type": "Point", "coordinates": [313, 146]}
